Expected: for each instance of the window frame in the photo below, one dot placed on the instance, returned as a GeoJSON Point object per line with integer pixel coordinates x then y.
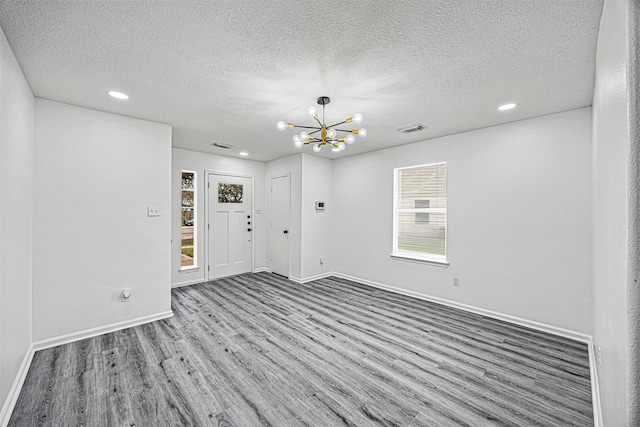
{"type": "Point", "coordinates": [440, 260]}
{"type": "Point", "coordinates": [194, 266]}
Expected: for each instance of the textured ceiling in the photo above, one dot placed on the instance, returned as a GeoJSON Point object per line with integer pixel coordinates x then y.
{"type": "Point", "coordinates": [227, 71]}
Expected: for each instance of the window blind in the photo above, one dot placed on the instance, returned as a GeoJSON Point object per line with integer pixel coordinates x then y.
{"type": "Point", "coordinates": [421, 211]}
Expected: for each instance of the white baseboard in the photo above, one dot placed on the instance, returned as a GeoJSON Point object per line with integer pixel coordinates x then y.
{"type": "Point", "coordinates": [261, 270]}
{"type": "Point", "coordinates": [595, 388]}
{"type": "Point", "coordinates": [566, 333]}
{"type": "Point", "coordinates": [88, 333]}
{"type": "Point", "coordinates": [14, 392]}
{"type": "Point", "coordinates": [311, 278]}
{"type": "Point", "coordinates": [188, 283]}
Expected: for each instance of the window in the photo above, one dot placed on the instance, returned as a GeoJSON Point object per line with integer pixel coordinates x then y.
{"type": "Point", "coordinates": [230, 193]}
{"type": "Point", "coordinates": [420, 212]}
{"type": "Point", "coordinates": [188, 218]}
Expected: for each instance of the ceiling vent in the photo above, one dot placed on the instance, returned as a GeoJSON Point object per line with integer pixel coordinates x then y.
{"type": "Point", "coordinates": [413, 128]}
{"type": "Point", "coordinates": [224, 146]}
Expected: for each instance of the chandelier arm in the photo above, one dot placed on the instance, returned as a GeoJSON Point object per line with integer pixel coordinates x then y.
{"type": "Point", "coordinates": [316, 117]}
{"type": "Point", "coordinates": [346, 130]}
{"type": "Point", "coordinates": [336, 124]}
{"type": "Point", "coordinates": [307, 127]}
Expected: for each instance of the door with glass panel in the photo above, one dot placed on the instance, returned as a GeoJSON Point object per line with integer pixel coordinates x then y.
{"type": "Point", "coordinates": [230, 225]}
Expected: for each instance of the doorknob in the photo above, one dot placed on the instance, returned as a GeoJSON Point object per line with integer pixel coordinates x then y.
{"type": "Point", "coordinates": [248, 229]}
{"type": "Point", "coordinates": [286, 231]}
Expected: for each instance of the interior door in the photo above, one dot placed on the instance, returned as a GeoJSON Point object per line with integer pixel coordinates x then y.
{"type": "Point", "coordinates": [230, 225]}
{"type": "Point", "coordinates": [280, 211]}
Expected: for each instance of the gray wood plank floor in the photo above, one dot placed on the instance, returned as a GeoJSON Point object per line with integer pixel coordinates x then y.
{"type": "Point", "coordinates": [257, 349]}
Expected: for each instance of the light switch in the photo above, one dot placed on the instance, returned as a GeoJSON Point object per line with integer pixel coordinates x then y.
{"type": "Point", "coordinates": [258, 211]}
{"type": "Point", "coordinates": [153, 210]}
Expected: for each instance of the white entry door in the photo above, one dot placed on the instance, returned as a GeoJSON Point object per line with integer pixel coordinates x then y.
{"type": "Point", "coordinates": [280, 210]}
{"type": "Point", "coordinates": [230, 225]}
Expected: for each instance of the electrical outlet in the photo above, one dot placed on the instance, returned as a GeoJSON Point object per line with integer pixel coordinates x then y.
{"type": "Point", "coordinates": [153, 210]}
{"type": "Point", "coordinates": [599, 356]}
{"type": "Point", "coordinates": [126, 295]}
{"type": "Point", "coordinates": [456, 281]}
{"type": "Point", "coordinates": [321, 261]}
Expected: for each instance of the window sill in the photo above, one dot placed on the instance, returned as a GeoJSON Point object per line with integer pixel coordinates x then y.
{"type": "Point", "coordinates": [190, 269]}
{"type": "Point", "coordinates": [405, 257]}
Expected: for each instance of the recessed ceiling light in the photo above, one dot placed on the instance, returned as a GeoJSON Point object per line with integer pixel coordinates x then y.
{"type": "Point", "coordinates": [118, 95]}
{"type": "Point", "coordinates": [505, 107]}
{"type": "Point", "coordinates": [244, 153]}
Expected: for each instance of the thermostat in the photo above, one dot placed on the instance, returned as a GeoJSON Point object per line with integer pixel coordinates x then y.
{"type": "Point", "coordinates": [319, 206]}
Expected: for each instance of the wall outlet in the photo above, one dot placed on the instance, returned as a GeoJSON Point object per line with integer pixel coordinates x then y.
{"type": "Point", "coordinates": [258, 211]}
{"type": "Point", "coordinates": [153, 210]}
{"type": "Point", "coordinates": [126, 295]}
{"type": "Point", "coordinates": [321, 261]}
{"type": "Point", "coordinates": [456, 281]}
{"type": "Point", "coordinates": [599, 356]}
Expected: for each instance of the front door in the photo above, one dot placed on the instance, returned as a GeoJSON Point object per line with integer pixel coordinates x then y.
{"type": "Point", "coordinates": [230, 224]}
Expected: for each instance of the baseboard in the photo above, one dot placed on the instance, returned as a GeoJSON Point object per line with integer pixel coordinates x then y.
{"type": "Point", "coordinates": [577, 336]}
{"type": "Point", "coordinates": [14, 392]}
{"type": "Point", "coordinates": [88, 333]}
{"type": "Point", "coordinates": [311, 278]}
{"type": "Point", "coordinates": [261, 270]}
{"type": "Point", "coordinates": [188, 283]}
{"type": "Point", "coordinates": [595, 387]}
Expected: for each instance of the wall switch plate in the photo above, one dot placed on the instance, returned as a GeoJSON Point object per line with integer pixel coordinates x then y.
{"type": "Point", "coordinates": [258, 211]}
{"type": "Point", "coordinates": [456, 281]}
{"type": "Point", "coordinates": [599, 356]}
{"type": "Point", "coordinates": [153, 210]}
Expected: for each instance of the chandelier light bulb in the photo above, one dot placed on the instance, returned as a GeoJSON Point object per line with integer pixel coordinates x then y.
{"type": "Point", "coordinates": [281, 125]}
{"type": "Point", "coordinates": [357, 117]}
{"type": "Point", "coordinates": [335, 149]}
{"type": "Point", "coordinates": [317, 148]}
{"type": "Point", "coordinates": [362, 132]}
{"type": "Point", "coordinates": [349, 139]}
{"type": "Point", "coordinates": [304, 136]}
{"type": "Point", "coordinates": [331, 133]}
{"type": "Point", "coordinates": [296, 141]}
{"type": "Point", "coordinates": [311, 111]}
{"type": "Point", "coordinates": [341, 146]}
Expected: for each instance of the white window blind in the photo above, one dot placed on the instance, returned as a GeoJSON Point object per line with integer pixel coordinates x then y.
{"type": "Point", "coordinates": [420, 212]}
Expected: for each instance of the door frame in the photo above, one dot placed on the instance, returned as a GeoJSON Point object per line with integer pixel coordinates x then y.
{"type": "Point", "coordinates": [207, 174]}
{"type": "Point", "coordinates": [284, 175]}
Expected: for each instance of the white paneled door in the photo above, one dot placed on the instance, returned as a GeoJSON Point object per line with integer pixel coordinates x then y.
{"type": "Point", "coordinates": [230, 224]}
{"type": "Point", "coordinates": [280, 209]}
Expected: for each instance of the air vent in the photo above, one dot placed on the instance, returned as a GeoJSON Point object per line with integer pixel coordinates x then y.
{"type": "Point", "coordinates": [224, 146]}
{"type": "Point", "coordinates": [413, 128]}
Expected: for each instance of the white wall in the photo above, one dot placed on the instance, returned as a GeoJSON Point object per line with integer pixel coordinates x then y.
{"type": "Point", "coordinates": [16, 213]}
{"type": "Point", "coordinates": [199, 162]}
{"type": "Point", "coordinates": [610, 155]}
{"type": "Point", "coordinates": [519, 203]}
{"type": "Point", "coordinates": [287, 165]}
{"type": "Point", "coordinates": [95, 175]}
{"type": "Point", "coordinates": [317, 226]}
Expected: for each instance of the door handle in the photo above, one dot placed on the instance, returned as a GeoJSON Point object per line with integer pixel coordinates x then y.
{"type": "Point", "coordinates": [286, 231]}
{"type": "Point", "coordinates": [248, 229]}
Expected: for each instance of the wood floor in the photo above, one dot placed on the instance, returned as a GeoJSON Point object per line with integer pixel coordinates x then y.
{"type": "Point", "coordinates": [257, 350]}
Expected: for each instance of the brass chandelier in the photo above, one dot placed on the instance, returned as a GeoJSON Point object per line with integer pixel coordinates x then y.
{"type": "Point", "coordinates": [328, 133]}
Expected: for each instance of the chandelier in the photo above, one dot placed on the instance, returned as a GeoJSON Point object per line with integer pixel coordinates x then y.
{"type": "Point", "coordinates": [328, 134]}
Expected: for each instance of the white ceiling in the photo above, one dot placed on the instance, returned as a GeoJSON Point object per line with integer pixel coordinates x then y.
{"type": "Point", "coordinates": [227, 71]}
